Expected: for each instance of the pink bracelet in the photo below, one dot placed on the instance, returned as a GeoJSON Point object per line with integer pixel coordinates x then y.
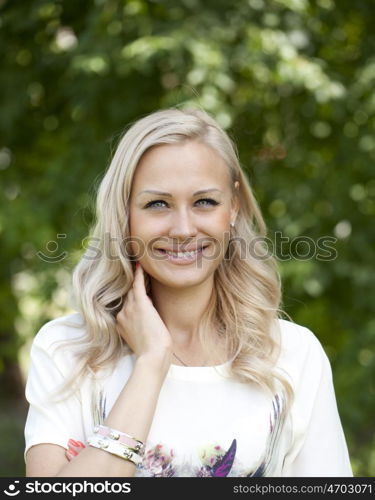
{"type": "Point", "coordinates": [119, 436]}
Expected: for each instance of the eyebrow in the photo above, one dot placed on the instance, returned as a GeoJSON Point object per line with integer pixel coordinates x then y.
{"type": "Point", "coordinates": [161, 193]}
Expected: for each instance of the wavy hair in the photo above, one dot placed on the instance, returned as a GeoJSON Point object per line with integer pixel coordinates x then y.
{"type": "Point", "coordinates": [245, 301]}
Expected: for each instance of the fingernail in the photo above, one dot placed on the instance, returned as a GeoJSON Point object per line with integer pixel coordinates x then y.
{"type": "Point", "coordinates": [80, 445]}
{"type": "Point", "coordinates": [73, 443]}
{"type": "Point", "coordinates": [72, 452]}
{"type": "Point", "coordinates": [137, 265]}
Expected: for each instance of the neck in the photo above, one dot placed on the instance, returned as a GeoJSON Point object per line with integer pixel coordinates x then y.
{"type": "Point", "coordinates": [181, 309]}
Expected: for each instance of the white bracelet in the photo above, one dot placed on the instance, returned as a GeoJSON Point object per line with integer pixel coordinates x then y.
{"type": "Point", "coordinates": [115, 448]}
{"type": "Point", "coordinates": [121, 437]}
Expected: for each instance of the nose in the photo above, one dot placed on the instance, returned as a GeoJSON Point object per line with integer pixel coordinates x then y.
{"type": "Point", "coordinates": [182, 225]}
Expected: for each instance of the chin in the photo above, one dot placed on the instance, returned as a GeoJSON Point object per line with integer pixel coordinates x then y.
{"type": "Point", "coordinates": [179, 281]}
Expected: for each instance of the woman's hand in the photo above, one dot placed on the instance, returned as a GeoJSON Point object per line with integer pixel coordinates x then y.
{"type": "Point", "coordinates": [140, 325]}
{"type": "Point", "coordinates": [74, 447]}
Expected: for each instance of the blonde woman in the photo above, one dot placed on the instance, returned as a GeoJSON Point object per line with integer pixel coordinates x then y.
{"type": "Point", "coordinates": [178, 362]}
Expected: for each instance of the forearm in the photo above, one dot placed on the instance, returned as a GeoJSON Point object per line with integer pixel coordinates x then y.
{"type": "Point", "coordinates": [134, 410]}
{"type": "Point", "coordinates": [132, 413]}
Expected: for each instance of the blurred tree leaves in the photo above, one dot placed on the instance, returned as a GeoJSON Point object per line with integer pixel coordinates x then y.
{"type": "Point", "coordinates": [292, 80]}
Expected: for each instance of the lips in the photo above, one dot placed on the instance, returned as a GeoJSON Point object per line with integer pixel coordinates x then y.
{"type": "Point", "coordinates": [181, 258]}
{"type": "Point", "coordinates": [182, 251]}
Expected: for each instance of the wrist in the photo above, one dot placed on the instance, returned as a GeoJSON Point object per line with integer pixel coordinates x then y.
{"type": "Point", "coordinates": [158, 362]}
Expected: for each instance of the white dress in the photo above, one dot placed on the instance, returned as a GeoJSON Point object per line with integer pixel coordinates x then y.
{"type": "Point", "coordinates": [206, 423]}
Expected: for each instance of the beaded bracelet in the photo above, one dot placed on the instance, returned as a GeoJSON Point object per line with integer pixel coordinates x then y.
{"type": "Point", "coordinates": [115, 448]}
{"type": "Point", "coordinates": [121, 437]}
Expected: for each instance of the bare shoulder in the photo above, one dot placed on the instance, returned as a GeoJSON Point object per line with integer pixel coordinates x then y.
{"type": "Point", "coordinates": [45, 460]}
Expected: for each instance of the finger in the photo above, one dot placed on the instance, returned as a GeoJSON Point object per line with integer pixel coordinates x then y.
{"type": "Point", "coordinates": [127, 302]}
{"type": "Point", "coordinates": [139, 281]}
{"type": "Point", "coordinates": [75, 445]}
{"type": "Point", "coordinates": [138, 270]}
{"type": "Point", "coordinates": [136, 267]}
{"type": "Point", "coordinates": [128, 299]}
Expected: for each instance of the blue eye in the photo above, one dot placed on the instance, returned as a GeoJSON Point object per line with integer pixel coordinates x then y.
{"type": "Point", "coordinates": [210, 201]}
{"type": "Point", "coordinates": [153, 204]}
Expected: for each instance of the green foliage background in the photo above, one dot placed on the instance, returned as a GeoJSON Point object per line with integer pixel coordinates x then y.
{"type": "Point", "coordinates": [293, 83]}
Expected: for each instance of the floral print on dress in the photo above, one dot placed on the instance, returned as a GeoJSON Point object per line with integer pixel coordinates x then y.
{"type": "Point", "coordinates": [277, 420]}
{"type": "Point", "coordinates": [157, 463]}
{"type": "Point", "coordinates": [98, 407]}
{"type": "Point", "coordinates": [218, 461]}
{"type": "Point", "coordinates": [209, 456]}
{"type": "Point", "coordinates": [214, 460]}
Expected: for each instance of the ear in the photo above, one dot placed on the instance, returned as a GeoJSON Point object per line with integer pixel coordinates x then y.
{"type": "Point", "coordinates": [235, 202]}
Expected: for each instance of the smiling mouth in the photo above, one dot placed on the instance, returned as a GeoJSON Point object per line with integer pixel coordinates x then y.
{"type": "Point", "coordinates": [191, 255]}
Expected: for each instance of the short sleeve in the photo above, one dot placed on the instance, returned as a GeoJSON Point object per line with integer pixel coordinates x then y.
{"type": "Point", "coordinates": [320, 447]}
{"type": "Point", "coordinates": [50, 419]}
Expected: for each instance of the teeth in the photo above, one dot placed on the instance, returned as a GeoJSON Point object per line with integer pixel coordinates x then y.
{"type": "Point", "coordinates": [183, 254]}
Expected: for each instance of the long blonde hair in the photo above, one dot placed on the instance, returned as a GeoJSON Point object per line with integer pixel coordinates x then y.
{"type": "Point", "coordinates": [245, 302]}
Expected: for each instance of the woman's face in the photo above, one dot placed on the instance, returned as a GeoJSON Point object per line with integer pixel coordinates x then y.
{"type": "Point", "coordinates": [180, 213]}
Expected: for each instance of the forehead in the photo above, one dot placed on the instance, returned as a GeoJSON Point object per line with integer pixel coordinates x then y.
{"type": "Point", "coordinates": [192, 162]}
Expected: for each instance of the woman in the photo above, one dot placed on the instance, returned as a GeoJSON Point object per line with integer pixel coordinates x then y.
{"type": "Point", "coordinates": [182, 365]}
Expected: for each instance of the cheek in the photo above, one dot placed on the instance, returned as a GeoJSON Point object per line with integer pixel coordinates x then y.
{"type": "Point", "coordinates": [221, 222]}
{"type": "Point", "coordinates": [143, 231]}
{"type": "Point", "coordinates": [219, 229]}
{"type": "Point", "coordinates": [142, 225]}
